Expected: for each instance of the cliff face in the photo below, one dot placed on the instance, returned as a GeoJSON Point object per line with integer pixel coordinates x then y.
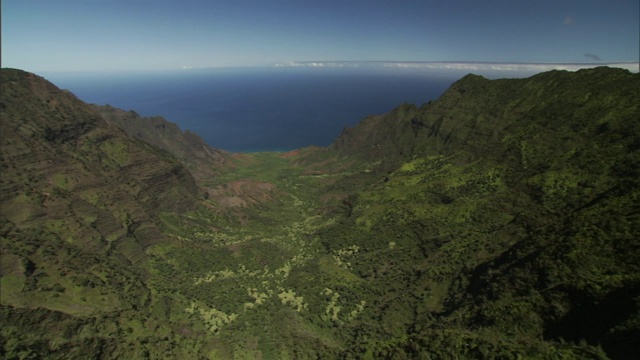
{"type": "Point", "coordinates": [75, 187]}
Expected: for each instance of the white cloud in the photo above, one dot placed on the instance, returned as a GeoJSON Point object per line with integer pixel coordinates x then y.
{"type": "Point", "coordinates": [477, 67]}
{"type": "Point", "coordinates": [569, 20]}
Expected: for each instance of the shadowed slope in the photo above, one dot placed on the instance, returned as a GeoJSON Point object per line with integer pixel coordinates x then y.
{"type": "Point", "coordinates": [77, 193]}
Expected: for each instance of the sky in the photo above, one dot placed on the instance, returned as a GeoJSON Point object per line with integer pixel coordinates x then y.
{"type": "Point", "coordinates": [135, 35]}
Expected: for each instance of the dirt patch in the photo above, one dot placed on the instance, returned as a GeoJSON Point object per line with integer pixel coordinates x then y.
{"type": "Point", "coordinates": [243, 193]}
{"type": "Point", "coordinates": [290, 154]}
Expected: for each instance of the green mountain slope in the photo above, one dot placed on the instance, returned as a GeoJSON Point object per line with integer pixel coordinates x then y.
{"type": "Point", "coordinates": [513, 212]}
{"type": "Point", "coordinates": [81, 203]}
{"type": "Point", "coordinates": [499, 221]}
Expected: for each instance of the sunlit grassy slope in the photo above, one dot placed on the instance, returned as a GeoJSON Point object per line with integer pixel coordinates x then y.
{"type": "Point", "coordinates": [499, 221]}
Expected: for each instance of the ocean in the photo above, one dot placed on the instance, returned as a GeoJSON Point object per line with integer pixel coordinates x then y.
{"type": "Point", "coordinates": [260, 109]}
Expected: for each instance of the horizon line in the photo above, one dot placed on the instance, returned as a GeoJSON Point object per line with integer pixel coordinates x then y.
{"type": "Point", "coordinates": [498, 66]}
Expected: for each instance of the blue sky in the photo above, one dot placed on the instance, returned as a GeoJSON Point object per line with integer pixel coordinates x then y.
{"type": "Point", "coordinates": [133, 35]}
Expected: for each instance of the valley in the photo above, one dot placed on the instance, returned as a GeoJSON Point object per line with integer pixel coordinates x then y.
{"type": "Point", "coordinates": [499, 221]}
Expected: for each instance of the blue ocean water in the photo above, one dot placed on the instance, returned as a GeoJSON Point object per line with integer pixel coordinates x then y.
{"type": "Point", "coordinates": [260, 109]}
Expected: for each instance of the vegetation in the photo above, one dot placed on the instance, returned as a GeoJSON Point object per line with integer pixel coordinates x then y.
{"type": "Point", "coordinates": [499, 221]}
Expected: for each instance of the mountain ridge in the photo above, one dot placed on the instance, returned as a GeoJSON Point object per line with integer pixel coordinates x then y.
{"type": "Point", "coordinates": [432, 121]}
{"type": "Point", "coordinates": [201, 159]}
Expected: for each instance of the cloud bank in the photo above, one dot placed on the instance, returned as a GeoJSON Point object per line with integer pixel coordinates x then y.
{"type": "Point", "coordinates": [478, 67]}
